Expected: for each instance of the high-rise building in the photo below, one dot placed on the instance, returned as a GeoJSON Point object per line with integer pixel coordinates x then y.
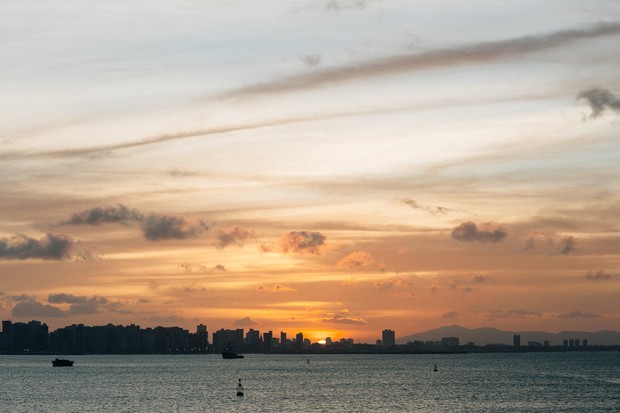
{"type": "Point", "coordinates": [299, 341]}
{"type": "Point", "coordinates": [388, 338]}
{"type": "Point", "coordinates": [516, 340]}
{"type": "Point", "coordinates": [267, 340]}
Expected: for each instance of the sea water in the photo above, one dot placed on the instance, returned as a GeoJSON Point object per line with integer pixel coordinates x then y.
{"type": "Point", "coordinates": [511, 382]}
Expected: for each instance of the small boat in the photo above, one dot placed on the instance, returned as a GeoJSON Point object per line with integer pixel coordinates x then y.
{"type": "Point", "coordinates": [229, 354]}
{"type": "Point", "coordinates": [62, 363]}
{"type": "Point", "coordinates": [435, 367]}
{"type": "Point", "coordinates": [239, 389]}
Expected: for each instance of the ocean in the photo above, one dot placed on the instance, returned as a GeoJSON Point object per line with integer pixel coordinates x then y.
{"type": "Point", "coordinates": [490, 382]}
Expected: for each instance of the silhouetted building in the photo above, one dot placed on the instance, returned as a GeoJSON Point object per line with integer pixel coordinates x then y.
{"type": "Point", "coordinates": [516, 340]}
{"type": "Point", "coordinates": [201, 338]}
{"type": "Point", "coordinates": [328, 341]}
{"type": "Point", "coordinates": [388, 338]}
{"type": "Point", "coordinates": [449, 341]}
{"type": "Point", "coordinates": [228, 339]}
{"type": "Point", "coordinates": [585, 342]}
{"type": "Point", "coordinates": [299, 341]}
{"type": "Point", "coordinates": [267, 341]}
{"type": "Point", "coordinates": [252, 340]}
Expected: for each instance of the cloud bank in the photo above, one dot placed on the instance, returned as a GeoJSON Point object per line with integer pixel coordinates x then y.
{"type": "Point", "coordinates": [21, 247]}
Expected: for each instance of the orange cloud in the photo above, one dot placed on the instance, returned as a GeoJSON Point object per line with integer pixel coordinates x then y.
{"type": "Point", "coordinates": [356, 259]}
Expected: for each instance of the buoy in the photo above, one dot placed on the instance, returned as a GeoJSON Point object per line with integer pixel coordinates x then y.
{"type": "Point", "coordinates": [435, 367]}
{"type": "Point", "coordinates": [239, 389]}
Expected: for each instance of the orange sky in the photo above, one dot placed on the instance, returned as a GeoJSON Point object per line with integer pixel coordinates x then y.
{"type": "Point", "coordinates": [336, 168]}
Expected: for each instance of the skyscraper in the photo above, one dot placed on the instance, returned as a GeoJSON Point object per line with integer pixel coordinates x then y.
{"type": "Point", "coordinates": [388, 338]}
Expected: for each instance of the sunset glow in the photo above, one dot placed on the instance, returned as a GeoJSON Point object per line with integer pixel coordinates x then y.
{"type": "Point", "coordinates": [334, 167]}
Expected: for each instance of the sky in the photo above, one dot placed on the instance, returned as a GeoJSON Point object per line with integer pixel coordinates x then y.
{"type": "Point", "coordinates": [332, 167]}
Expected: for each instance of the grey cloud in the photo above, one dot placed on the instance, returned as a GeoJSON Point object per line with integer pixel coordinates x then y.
{"type": "Point", "coordinates": [433, 210]}
{"type": "Point", "coordinates": [501, 314]}
{"type": "Point", "coordinates": [98, 216]}
{"type": "Point", "coordinates": [303, 242]}
{"type": "Point", "coordinates": [343, 318]}
{"type": "Point", "coordinates": [63, 298]}
{"type": "Point", "coordinates": [234, 236]}
{"type": "Point", "coordinates": [599, 100]}
{"type": "Point", "coordinates": [450, 314]}
{"type": "Point", "coordinates": [474, 53]}
{"type": "Point", "coordinates": [597, 276]}
{"type": "Point", "coordinates": [34, 308]}
{"type": "Point", "coordinates": [162, 227]}
{"type": "Point", "coordinates": [21, 247]}
{"type": "Point", "coordinates": [311, 60]}
{"type": "Point", "coordinates": [469, 232]}
{"type": "Point", "coordinates": [578, 314]}
{"type": "Point", "coordinates": [566, 243]}
{"type": "Point", "coordinates": [245, 322]}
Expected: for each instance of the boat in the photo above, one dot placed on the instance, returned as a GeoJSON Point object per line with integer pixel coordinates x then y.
{"type": "Point", "coordinates": [435, 367]}
{"type": "Point", "coordinates": [62, 363]}
{"type": "Point", "coordinates": [229, 354]}
{"type": "Point", "coordinates": [239, 389]}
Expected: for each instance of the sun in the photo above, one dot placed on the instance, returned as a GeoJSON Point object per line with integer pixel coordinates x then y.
{"type": "Point", "coordinates": [322, 342]}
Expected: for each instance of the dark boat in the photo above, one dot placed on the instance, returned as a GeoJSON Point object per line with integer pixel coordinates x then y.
{"type": "Point", "coordinates": [229, 354]}
{"type": "Point", "coordinates": [62, 363]}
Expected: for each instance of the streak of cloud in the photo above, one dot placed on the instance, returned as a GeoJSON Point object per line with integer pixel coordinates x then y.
{"type": "Point", "coordinates": [473, 53]}
{"type": "Point", "coordinates": [503, 314]}
{"type": "Point", "coordinates": [469, 232]}
{"type": "Point", "coordinates": [299, 242]}
{"type": "Point", "coordinates": [578, 314]}
{"type": "Point", "coordinates": [234, 236]}
{"type": "Point", "coordinates": [245, 322]}
{"type": "Point", "coordinates": [163, 227]}
{"type": "Point", "coordinates": [356, 259]}
{"type": "Point", "coordinates": [600, 100]}
{"type": "Point", "coordinates": [597, 275]}
{"type": "Point", "coordinates": [343, 317]}
{"type": "Point", "coordinates": [433, 210]}
{"type": "Point", "coordinates": [566, 243]}
{"type": "Point", "coordinates": [21, 247]}
{"type": "Point", "coordinates": [99, 215]}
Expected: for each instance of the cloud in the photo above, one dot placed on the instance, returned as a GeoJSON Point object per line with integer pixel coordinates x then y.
{"type": "Point", "coordinates": [276, 288]}
{"type": "Point", "coordinates": [445, 57]}
{"type": "Point", "coordinates": [450, 314]}
{"type": "Point", "coordinates": [163, 227]}
{"type": "Point", "coordinates": [32, 308]}
{"type": "Point", "coordinates": [599, 100]}
{"type": "Point", "coordinates": [356, 259]}
{"type": "Point", "coordinates": [394, 282]}
{"type": "Point", "coordinates": [311, 60]}
{"type": "Point", "coordinates": [21, 247]}
{"type": "Point", "coordinates": [597, 276]}
{"type": "Point", "coordinates": [565, 243]}
{"type": "Point", "coordinates": [199, 268]}
{"type": "Point", "coordinates": [342, 317]}
{"type": "Point", "coordinates": [63, 298]}
{"type": "Point", "coordinates": [154, 227]}
{"type": "Point", "coordinates": [469, 232]}
{"type": "Point", "coordinates": [98, 216]}
{"type": "Point", "coordinates": [300, 242]}
{"type": "Point", "coordinates": [169, 319]}
{"type": "Point", "coordinates": [578, 314]}
{"type": "Point", "coordinates": [245, 322]}
{"type": "Point", "coordinates": [502, 314]}
{"type": "Point", "coordinates": [337, 5]}
{"type": "Point", "coordinates": [234, 236]}
{"type": "Point", "coordinates": [433, 210]}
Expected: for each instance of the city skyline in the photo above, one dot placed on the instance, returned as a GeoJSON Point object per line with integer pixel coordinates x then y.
{"type": "Point", "coordinates": [338, 167]}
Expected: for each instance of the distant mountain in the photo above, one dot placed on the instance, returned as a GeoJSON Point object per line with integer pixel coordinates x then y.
{"type": "Point", "coordinates": [489, 335]}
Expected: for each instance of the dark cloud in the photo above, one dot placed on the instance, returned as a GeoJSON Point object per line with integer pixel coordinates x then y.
{"type": "Point", "coordinates": [578, 314]}
{"type": "Point", "coordinates": [154, 227]}
{"type": "Point", "coordinates": [311, 60]}
{"type": "Point", "coordinates": [245, 322]}
{"type": "Point", "coordinates": [434, 210]}
{"type": "Point", "coordinates": [98, 216]}
{"type": "Point", "coordinates": [469, 232]}
{"type": "Point", "coordinates": [445, 57]}
{"type": "Point", "coordinates": [63, 298]}
{"type": "Point", "coordinates": [343, 318]}
{"type": "Point", "coordinates": [565, 243]}
{"type": "Point", "coordinates": [356, 259]}
{"type": "Point", "coordinates": [597, 275]}
{"type": "Point", "coordinates": [303, 242]}
{"type": "Point", "coordinates": [600, 100]}
{"type": "Point", "coordinates": [234, 236]}
{"type": "Point", "coordinates": [21, 247]}
{"type": "Point", "coordinates": [337, 5]}
{"type": "Point", "coordinates": [32, 308]}
{"type": "Point", "coordinates": [162, 227]}
{"type": "Point", "coordinates": [450, 314]}
{"type": "Point", "coordinates": [276, 288]}
{"type": "Point", "coordinates": [501, 314]}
